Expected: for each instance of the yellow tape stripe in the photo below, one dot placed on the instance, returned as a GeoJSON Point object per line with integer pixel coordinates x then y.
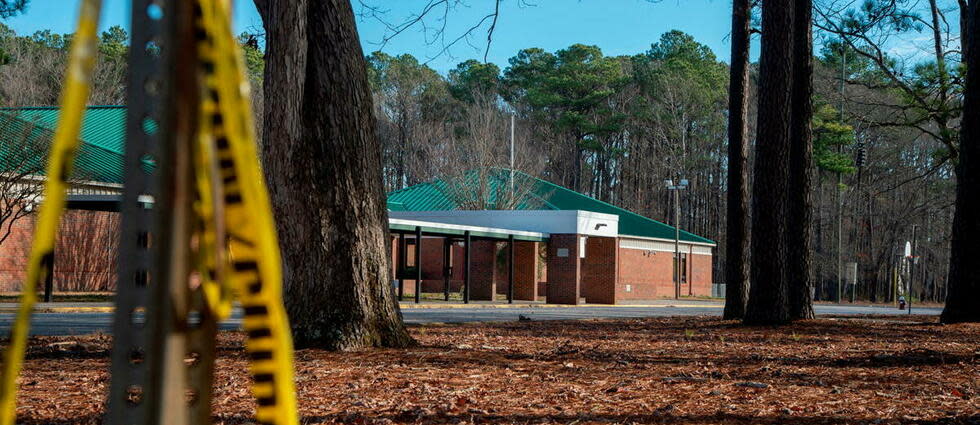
{"type": "Point", "coordinates": [254, 266]}
{"type": "Point", "coordinates": [210, 256]}
{"type": "Point", "coordinates": [60, 161]}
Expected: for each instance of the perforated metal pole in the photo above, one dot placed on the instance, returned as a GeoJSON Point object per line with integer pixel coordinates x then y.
{"type": "Point", "coordinates": [145, 93]}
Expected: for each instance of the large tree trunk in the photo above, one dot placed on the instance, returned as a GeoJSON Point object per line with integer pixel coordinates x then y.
{"type": "Point", "coordinates": [769, 294]}
{"type": "Point", "coordinates": [963, 298]}
{"type": "Point", "coordinates": [798, 254]}
{"type": "Point", "coordinates": [737, 235]}
{"type": "Point", "coordinates": [323, 164]}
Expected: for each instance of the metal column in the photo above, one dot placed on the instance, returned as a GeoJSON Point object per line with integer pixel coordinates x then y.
{"type": "Point", "coordinates": [145, 93]}
{"type": "Point", "coordinates": [418, 264]}
{"type": "Point", "coordinates": [49, 278]}
{"type": "Point", "coordinates": [400, 266]}
{"type": "Point", "coordinates": [447, 265]}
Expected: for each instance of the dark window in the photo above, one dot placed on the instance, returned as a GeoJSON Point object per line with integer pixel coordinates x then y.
{"type": "Point", "coordinates": [683, 268]}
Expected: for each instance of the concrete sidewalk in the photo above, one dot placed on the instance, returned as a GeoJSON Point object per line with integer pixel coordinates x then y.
{"type": "Point", "coordinates": [57, 307]}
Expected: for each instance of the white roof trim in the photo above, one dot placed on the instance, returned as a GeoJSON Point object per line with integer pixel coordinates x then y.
{"type": "Point", "coordinates": [464, 228]}
{"type": "Point", "coordinates": [683, 242]}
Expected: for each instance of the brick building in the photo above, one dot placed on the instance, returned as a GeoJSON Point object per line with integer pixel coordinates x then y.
{"type": "Point", "coordinates": [85, 251]}
{"type": "Point", "coordinates": [568, 248]}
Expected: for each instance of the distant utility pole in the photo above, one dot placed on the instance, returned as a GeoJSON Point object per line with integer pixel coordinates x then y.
{"type": "Point", "coordinates": [840, 196]}
{"type": "Point", "coordinates": [682, 184]}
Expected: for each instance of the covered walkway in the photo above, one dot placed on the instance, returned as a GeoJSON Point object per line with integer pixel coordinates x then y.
{"type": "Point", "coordinates": [433, 257]}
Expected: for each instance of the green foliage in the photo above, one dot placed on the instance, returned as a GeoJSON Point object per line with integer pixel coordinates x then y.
{"type": "Point", "coordinates": [10, 8]}
{"type": "Point", "coordinates": [473, 78]}
{"type": "Point", "coordinates": [679, 48]}
{"type": "Point", "coordinates": [685, 88]}
{"type": "Point", "coordinates": [410, 90]}
{"type": "Point", "coordinates": [569, 89]}
{"type": "Point", "coordinates": [50, 40]}
{"type": "Point", "coordinates": [254, 57]}
{"type": "Point", "coordinates": [857, 67]}
{"type": "Point", "coordinates": [114, 43]}
{"type": "Point", "coordinates": [830, 134]}
{"type": "Point", "coordinates": [6, 34]}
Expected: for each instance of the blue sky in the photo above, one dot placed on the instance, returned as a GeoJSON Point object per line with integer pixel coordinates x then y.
{"type": "Point", "coordinates": [617, 26]}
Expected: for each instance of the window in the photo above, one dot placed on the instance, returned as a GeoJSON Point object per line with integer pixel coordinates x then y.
{"type": "Point", "coordinates": [683, 268]}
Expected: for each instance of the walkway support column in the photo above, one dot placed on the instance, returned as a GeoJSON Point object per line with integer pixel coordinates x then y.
{"type": "Point", "coordinates": [418, 264]}
{"type": "Point", "coordinates": [49, 279]}
{"type": "Point", "coordinates": [447, 265]}
{"type": "Point", "coordinates": [467, 242]}
{"type": "Point", "coordinates": [400, 266]}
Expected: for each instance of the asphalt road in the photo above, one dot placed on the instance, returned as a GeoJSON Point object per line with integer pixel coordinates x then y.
{"type": "Point", "coordinates": [87, 323]}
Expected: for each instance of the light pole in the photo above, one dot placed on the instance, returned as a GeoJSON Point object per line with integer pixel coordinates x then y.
{"type": "Point", "coordinates": [676, 188]}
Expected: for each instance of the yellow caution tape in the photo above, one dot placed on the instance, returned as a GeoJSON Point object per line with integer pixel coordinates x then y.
{"type": "Point", "coordinates": [210, 255]}
{"type": "Point", "coordinates": [74, 96]}
{"type": "Point", "coordinates": [253, 250]}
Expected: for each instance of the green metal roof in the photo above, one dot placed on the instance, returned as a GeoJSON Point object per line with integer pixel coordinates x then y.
{"type": "Point", "coordinates": [439, 195]}
{"type": "Point", "coordinates": [103, 136]}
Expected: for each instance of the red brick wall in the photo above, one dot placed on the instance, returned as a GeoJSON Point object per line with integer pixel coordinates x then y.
{"type": "Point", "coordinates": [599, 270]}
{"type": "Point", "coordinates": [85, 252]}
{"type": "Point", "coordinates": [701, 275]}
{"type": "Point", "coordinates": [14, 252]}
{"type": "Point", "coordinates": [564, 273]}
{"type": "Point", "coordinates": [525, 271]}
{"type": "Point", "coordinates": [650, 275]}
{"type": "Point", "coordinates": [483, 266]}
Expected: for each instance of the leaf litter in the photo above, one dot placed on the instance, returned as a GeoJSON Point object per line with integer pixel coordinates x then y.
{"type": "Point", "coordinates": [698, 370]}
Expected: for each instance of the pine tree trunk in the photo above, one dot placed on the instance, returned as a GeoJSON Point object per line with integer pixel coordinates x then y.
{"type": "Point", "coordinates": [769, 293]}
{"type": "Point", "coordinates": [323, 165]}
{"type": "Point", "coordinates": [963, 298]}
{"type": "Point", "coordinates": [799, 257]}
{"type": "Point", "coordinates": [737, 234]}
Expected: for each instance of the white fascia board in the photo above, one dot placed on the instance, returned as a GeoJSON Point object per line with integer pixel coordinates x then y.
{"type": "Point", "coordinates": [541, 221]}
{"type": "Point", "coordinates": [463, 228]}
{"type": "Point", "coordinates": [597, 224]}
{"type": "Point", "coordinates": [683, 242]}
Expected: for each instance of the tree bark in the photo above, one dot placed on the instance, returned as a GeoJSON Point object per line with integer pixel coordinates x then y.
{"type": "Point", "coordinates": [769, 294]}
{"type": "Point", "coordinates": [799, 257]}
{"type": "Point", "coordinates": [323, 165]}
{"type": "Point", "coordinates": [963, 298]}
{"type": "Point", "coordinates": [737, 235]}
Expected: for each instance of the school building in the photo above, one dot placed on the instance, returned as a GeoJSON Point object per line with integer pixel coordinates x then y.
{"type": "Point", "coordinates": [450, 238]}
{"type": "Point", "coordinates": [555, 245]}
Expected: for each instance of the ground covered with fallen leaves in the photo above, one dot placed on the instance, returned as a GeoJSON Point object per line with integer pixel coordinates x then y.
{"type": "Point", "coordinates": [892, 370]}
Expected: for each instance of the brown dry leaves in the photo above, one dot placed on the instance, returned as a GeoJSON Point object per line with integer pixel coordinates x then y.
{"type": "Point", "coordinates": [677, 370]}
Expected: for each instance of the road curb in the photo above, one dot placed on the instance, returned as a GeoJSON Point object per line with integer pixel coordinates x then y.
{"type": "Point", "coordinates": [63, 310]}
